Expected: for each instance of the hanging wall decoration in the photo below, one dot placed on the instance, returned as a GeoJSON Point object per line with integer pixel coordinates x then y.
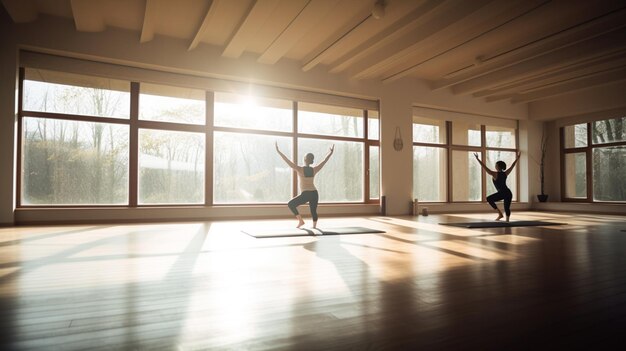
{"type": "Point", "coordinates": [397, 142]}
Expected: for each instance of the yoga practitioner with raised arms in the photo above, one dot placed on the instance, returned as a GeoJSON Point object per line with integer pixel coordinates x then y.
{"type": "Point", "coordinates": [499, 181]}
{"type": "Point", "coordinates": [306, 176]}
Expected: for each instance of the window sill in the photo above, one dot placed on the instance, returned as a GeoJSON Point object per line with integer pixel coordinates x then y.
{"type": "Point", "coordinates": [52, 215]}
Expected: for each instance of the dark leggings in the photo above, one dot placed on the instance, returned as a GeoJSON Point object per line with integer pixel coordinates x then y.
{"type": "Point", "coordinates": [312, 197]}
{"type": "Point", "coordinates": [505, 195]}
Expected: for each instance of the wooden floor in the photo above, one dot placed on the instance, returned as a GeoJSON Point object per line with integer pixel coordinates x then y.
{"type": "Point", "coordinates": [206, 285]}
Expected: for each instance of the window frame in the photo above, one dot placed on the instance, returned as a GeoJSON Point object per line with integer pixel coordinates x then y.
{"type": "Point", "coordinates": [208, 129]}
{"type": "Point", "coordinates": [449, 146]}
{"type": "Point", "coordinates": [294, 134]}
{"type": "Point", "coordinates": [588, 150]}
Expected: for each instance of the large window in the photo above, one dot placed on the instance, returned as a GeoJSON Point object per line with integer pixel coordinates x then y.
{"type": "Point", "coordinates": [500, 137]}
{"type": "Point", "coordinates": [466, 133]}
{"type": "Point", "coordinates": [92, 141]}
{"type": "Point", "coordinates": [74, 140]}
{"type": "Point", "coordinates": [373, 136]}
{"type": "Point", "coordinates": [329, 120]}
{"type": "Point", "coordinates": [74, 94]}
{"type": "Point", "coordinates": [374, 171]}
{"type": "Point", "coordinates": [341, 179]}
{"type": "Point", "coordinates": [594, 161]}
{"type": "Point", "coordinates": [444, 167]}
{"type": "Point", "coordinates": [575, 136]}
{"type": "Point", "coordinates": [466, 177]}
{"type": "Point", "coordinates": [429, 131]}
{"type": "Point", "coordinates": [609, 168]}
{"type": "Point", "coordinates": [373, 125]}
{"type": "Point", "coordinates": [429, 178]}
{"type": "Point", "coordinates": [171, 167]}
{"type": "Point", "coordinates": [576, 175]}
{"type": "Point", "coordinates": [248, 170]}
{"type": "Point", "coordinates": [247, 112]}
{"type": "Point", "coordinates": [74, 162]}
{"type": "Point", "coordinates": [429, 160]}
{"type": "Point", "coordinates": [172, 104]}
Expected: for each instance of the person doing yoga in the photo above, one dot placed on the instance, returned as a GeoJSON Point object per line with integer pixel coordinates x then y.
{"type": "Point", "coordinates": [499, 181]}
{"type": "Point", "coordinates": [306, 176]}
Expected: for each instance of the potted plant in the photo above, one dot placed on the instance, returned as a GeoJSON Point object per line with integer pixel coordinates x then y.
{"type": "Point", "coordinates": [543, 197]}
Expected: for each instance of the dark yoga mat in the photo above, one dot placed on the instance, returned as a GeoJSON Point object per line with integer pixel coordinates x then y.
{"type": "Point", "coordinates": [497, 224]}
{"type": "Point", "coordinates": [279, 233]}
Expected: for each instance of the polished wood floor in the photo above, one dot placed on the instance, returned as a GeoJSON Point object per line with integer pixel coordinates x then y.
{"type": "Point", "coordinates": [206, 285]}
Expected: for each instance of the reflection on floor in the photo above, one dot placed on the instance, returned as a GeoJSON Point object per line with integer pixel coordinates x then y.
{"type": "Point", "coordinates": [206, 285]}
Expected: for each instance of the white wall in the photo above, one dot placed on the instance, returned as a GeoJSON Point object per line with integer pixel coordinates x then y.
{"type": "Point", "coordinates": [396, 165]}
{"type": "Point", "coordinates": [115, 46]}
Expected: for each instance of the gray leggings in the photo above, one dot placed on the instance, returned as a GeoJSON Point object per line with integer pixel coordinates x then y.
{"type": "Point", "coordinates": [312, 197]}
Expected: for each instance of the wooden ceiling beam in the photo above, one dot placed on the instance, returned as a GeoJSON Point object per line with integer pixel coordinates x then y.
{"type": "Point", "coordinates": [336, 40]}
{"type": "Point", "coordinates": [598, 47]}
{"type": "Point", "coordinates": [311, 15]}
{"type": "Point", "coordinates": [615, 60]}
{"type": "Point", "coordinates": [414, 41]}
{"type": "Point", "coordinates": [466, 31]}
{"type": "Point", "coordinates": [87, 16]}
{"type": "Point", "coordinates": [383, 38]}
{"type": "Point", "coordinates": [149, 20]}
{"type": "Point", "coordinates": [256, 16]}
{"type": "Point", "coordinates": [579, 83]}
{"type": "Point", "coordinates": [577, 33]}
{"type": "Point", "coordinates": [204, 25]}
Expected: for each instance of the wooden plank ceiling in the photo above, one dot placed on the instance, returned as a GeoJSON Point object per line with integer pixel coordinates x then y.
{"type": "Point", "coordinates": [517, 50]}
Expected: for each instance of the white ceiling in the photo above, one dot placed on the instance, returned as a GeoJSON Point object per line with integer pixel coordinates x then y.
{"type": "Point", "coordinates": [517, 50]}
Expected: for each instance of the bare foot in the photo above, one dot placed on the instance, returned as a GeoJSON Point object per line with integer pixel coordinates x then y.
{"type": "Point", "coordinates": [499, 217]}
{"type": "Point", "coordinates": [300, 224]}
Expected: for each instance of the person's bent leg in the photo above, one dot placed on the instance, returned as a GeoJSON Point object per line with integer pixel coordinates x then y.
{"type": "Point", "coordinates": [492, 201]}
{"type": "Point", "coordinates": [507, 205]}
{"type": "Point", "coordinates": [293, 206]}
{"type": "Point", "coordinates": [313, 201]}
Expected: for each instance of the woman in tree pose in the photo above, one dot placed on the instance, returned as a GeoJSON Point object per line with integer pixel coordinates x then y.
{"type": "Point", "coordinates": [306, 175]}
{"type": "Point", "coordinates": [499, 181]}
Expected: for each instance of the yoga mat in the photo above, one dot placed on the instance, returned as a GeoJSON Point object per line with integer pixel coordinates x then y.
{"type": "Point", "coordinates": [279, 233]}
{"type": "Point", "coordinates": [497, 224]}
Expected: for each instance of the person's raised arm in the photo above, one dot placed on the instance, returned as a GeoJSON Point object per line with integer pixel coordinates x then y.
{"type": "Point", "coordinates": [285, 158]}
{"type": "Point", "coordinates": [321, 164]}
{"type": "Point", "coordinates": [490, 172]}
{"type": "Point", "coordinates": [514, 163]}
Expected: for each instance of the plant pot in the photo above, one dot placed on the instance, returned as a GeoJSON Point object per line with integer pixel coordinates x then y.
{"type": "Point", "coordinates": [542, 197]}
